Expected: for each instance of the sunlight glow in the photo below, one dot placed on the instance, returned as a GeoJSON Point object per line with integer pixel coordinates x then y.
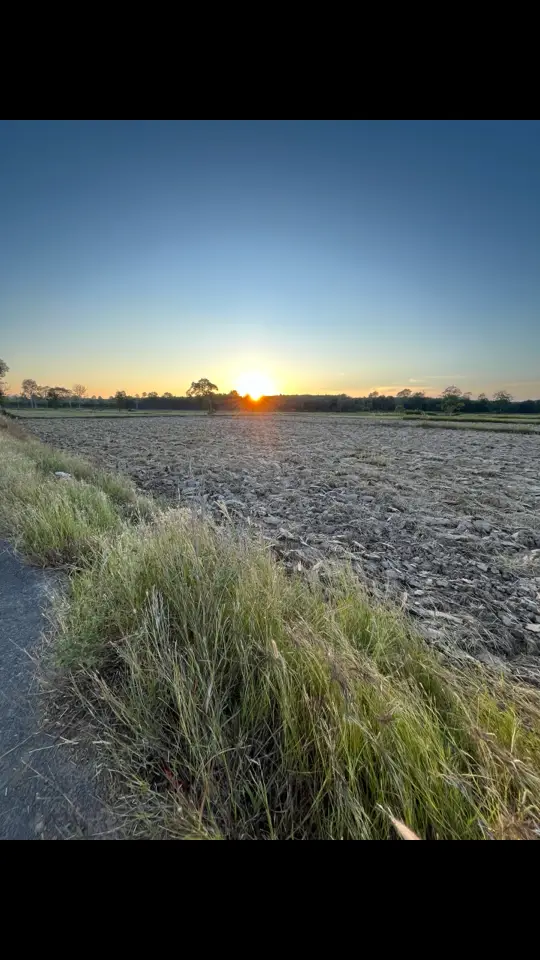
{"type": "Point", "coordinates": [255, 383]}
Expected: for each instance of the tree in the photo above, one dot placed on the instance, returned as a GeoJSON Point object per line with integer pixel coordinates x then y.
{"type": "Point", "coordinates": [63, 393]}
{"type": "Point", "coordinates": [373, 394]}
{"type": "Point", "coordinates": [451, 399]}
{"type": "Point", "coordinates": [3, 370]}
{"type": "Point", "coordinates": [404, 394]}
{"type": "Point", "coordinates": [167, 396]}
{"type": "Point", "coordinates": [120, 398]}
{"type": "Point", "coordinates": [152, 395]}
{"type": "Point", "coordinates": [79, 391]}
{"type": "Point", "coordinates": [483, 398]}
{"type": "Point", "coordinates": [204, 389]}
{"type": "Point", "coordinates": [29, 389]}
{"type": "Point", "coordinates": [503, 399]}
{"type": "Point", "coordinates": [52, 397]}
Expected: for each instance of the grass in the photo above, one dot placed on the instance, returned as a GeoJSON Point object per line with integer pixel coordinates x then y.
{"type": "Point", "coordinates": [479, 417]}
{"type": "Point", "coordinates": [434, 423]}
{"type": "Point", "coordinates": [488, 425]}
{"type": "Point", "coordinates": [55, 521]}
{"type": "Point", "coordinates": [234, 701]}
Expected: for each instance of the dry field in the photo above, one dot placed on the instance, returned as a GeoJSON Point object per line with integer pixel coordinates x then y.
{"type": "Point", "coordinates": [445, 522]}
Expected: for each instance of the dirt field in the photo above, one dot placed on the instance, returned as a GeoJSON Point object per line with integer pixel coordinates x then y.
{"type": "Point", "coordinates": [446, 522]}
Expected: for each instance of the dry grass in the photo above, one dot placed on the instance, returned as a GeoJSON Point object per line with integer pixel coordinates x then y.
{"type": "Point", "coordinates": [55, 521]}
{"type": "Point", "coordinates": [243, 703]}
{"type": "Point", "coordinates": [235, 701]}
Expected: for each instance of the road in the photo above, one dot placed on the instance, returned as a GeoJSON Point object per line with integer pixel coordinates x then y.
{"type": "Point", "coordinates": [48, 783]}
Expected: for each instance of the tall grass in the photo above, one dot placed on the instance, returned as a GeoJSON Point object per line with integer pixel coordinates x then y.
{"type": "Point", "coordinates": [235, 701]}
{"type": "Point", "coordinates": [56, 521]}
{"type": "Point", "coordinates": [249, 704]}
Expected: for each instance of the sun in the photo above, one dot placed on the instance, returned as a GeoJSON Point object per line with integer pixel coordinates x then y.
{"type": "Point", "coordinates": [255, 383]}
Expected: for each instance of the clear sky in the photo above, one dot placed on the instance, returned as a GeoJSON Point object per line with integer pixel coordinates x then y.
{"type": "Point", "coordinates": [331, 256]}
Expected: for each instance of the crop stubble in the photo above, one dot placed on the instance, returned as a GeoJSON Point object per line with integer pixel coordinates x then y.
{"type": "Point", "coordinates": [445, 522]}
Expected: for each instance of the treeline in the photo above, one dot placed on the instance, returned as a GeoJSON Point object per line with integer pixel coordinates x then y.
{"type": "Point", "coordinates": [452, 401]}
{"type": "Point", "coordinates": [382, 403]}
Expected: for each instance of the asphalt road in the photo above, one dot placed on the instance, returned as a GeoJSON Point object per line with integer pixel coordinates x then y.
{"type": "Point", "coordinates": [48, 784]}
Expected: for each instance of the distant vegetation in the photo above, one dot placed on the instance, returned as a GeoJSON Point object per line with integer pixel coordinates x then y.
{"type": "Point", "coordinates": [204, 395]}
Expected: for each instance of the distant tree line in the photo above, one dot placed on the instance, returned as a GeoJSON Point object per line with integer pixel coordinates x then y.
{"type": "Point", "coordinates": [203, 394]}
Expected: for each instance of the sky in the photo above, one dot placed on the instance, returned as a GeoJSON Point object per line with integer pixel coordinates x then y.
{"type": "Point", "coordinates": [329, 256]}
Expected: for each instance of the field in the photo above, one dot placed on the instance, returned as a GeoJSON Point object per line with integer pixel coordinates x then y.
{"type": "Point", "coordinates": [49, 413]}
{"type": "Point", "coordinates": [445, 523]}
{"type": "Point", "coordinates": [497, 423]}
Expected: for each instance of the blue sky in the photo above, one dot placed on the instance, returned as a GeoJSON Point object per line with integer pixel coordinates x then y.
{"type": "Point", "coordinates": [331, 256]}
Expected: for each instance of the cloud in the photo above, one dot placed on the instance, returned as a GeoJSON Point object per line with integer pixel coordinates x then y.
{"type": "Point", "coordinates": [515, 383]}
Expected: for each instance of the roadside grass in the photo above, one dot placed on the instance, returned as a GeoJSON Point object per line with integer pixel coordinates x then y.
{"type": "Point", "coordinates": [235, 701]}
{"type": "Point", "coordinates": [55, 521]}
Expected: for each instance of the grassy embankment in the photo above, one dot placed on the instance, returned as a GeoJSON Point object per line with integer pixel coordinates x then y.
{"type": "Point", "coordinates": [234, 701]}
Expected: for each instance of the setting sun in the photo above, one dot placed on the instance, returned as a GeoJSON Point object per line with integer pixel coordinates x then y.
{"type": "Point", "coordinates": [256, 384]}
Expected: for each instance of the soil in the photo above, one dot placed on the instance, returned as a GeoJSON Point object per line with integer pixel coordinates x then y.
{"type": "Point", "coordinates": [445, 522]}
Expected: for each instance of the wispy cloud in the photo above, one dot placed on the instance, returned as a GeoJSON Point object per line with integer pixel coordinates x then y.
{"type": "Point", "coordinates": [515, 383]}
{"type": "Point", "coordinates": [438, 376]}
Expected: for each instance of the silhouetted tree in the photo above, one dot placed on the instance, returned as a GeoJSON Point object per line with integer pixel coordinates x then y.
{"type": "Point", "coordinates": [451, 399]}
{"type": "Point", "coordinates": [29, 389]}
{"type": "Point", "coordinates": [79, 391]}
{"type": "Point", "coordinates": [63, 394]}
{"type": "Point", "coordinates": [204, 389]}
{"type": "Point", "coordinates": [3, 370]}
{"type": "Point", "coordinates": [120, 399]}
{"type": "Point", "coordinates": [503, 399]}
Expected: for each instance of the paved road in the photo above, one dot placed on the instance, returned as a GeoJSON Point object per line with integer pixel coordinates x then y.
{"type": "Point", "coordinates": [47, 789]}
